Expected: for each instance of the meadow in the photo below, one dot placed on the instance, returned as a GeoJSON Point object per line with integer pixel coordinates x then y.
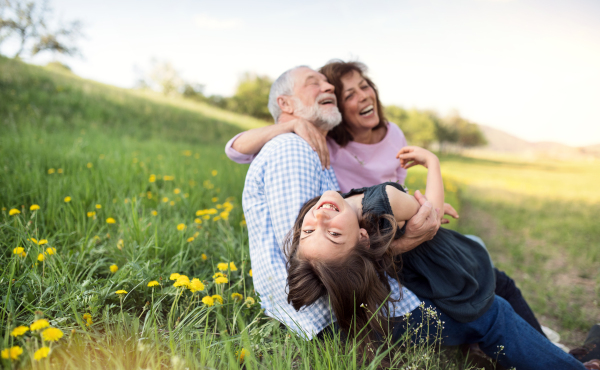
{"type": "Point", "coordinates": [121, 226]}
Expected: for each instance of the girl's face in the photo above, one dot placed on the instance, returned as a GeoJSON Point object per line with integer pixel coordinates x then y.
{"type": "Point", "coordinates": [330, 229]}
{"type": "Point", "coordinates": [358, 103]}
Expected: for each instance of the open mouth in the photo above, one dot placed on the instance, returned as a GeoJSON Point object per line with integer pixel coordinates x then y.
{"type": "Point", "coordinates": [329, 206]}
{"type": "Point", "coordinates": [368, 110]}
{"type": "Point", "coordinates": [327, 101]}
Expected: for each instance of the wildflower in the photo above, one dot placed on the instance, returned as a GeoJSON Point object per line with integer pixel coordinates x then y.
{"type": "Point", "coordinates": [13, 211]}
{"type": "Point", "coordinates": [153, 283]}
{"type": "Point", "coordinates": [222, 266]}
{"type": "Point", "coordinates": [126, 201]}
{"type": "Point", "coordinates": [165, 199]}
{"type": "Point", "coordinates": [224, 215]}
{"type": "Point", "coordinates": [154, 213]}
{"type": "Point", "coordinates": [177, 191]}
{"type": "Point", "coordinates": [181, 227]}
{"type": "Point", "coordinates": [12, 353]}
{"type": "Point", "coordinates": [42, 242]}
{"type": "Point", "coordinates": [186, 195]}
{"type": "Point", "coordinates": [152, 178]}
{"type": "Point", "coordinates": [19, 330]}
{"type": "Point", "coordinates": [196, 234]}
{"type": "Point", "coordinates": [34, 207]}
{"type": "Point", "coordinates": [221, 280]}
{"type": "Point", "coordinates": [67, 199]}
{"type": "Point", "coordinates": [52, 334]}
{"type": "Point", "coordinates": [206, 217]}
{"type": "Point", "coordinates": [121, 291]}
{"type": "Point", "coordinates": [149, 195]}
{"type": "Point", "coordinates": [182, 281]}
{"type": "Point", "coordinates": [114, 268]}
{"type": "Point", "coordinates": [214, 172]}
{"type": "Point", "coordinates": [195, 285]}
{"type": "Point", "coordinates": [34, 240]}
{"type": "Point", "coordinates": [208, 300]}
{"type": "Point", "coordinates": [243, 223]}
{"type": "Point", "coordinates": [198, 221]}
{"type": "Point", "coordinates": [39, 324]}
{"type": "Point", "coordinates": [110, 220]}
{"type": "Point", "coordinates": [219, 206]}
{"type": "Point", "coordinates": [172, 202]}
{"type": "Point", "coordinates": [218, 274]}
{"type": "Point", "coordinates": [18, 250]}
{"type": "Point", "coordinates": [217, 218]}
{"type": "Point", "coordinates": [204, 257]}
{"type": "Point", "coordinates": [88, 318]}
{"type": "Point", "coordinates": [249, 301]}
{"type": "Point", "coordinates": [232, 266]}
{"type": "Point", "coordinates": [200, 212]}
{"type": "Point", "coordinates": [89, 165]}
{"type": "Point", "coordinates": [250, 272]}
{"type": "Point", "coordinates": [41, 353]}
{"type": "Point", "coordinates": [174, 276]}
{"type": "Point", "coordinates": [60, 170]}
{"type": "Point", "coordinates": [237, 297]}
{"type": "Point", "coordinates": [168, 178]}
{"type": "Point", "coordinates": [190, 239]}
{"type": "Point", "coordinates": [241, 355]}
{"type": "Point", "coordinates": [91, 214]}
{"type": "Point", "coordinates": [214, 199]}
{"type": "Point", "coordinates": [98, 206]}
{"type": "Point", "coordinates": [40, 257]}
{"type": "Point", "coordinates": [50, 251]}
{"type": "Point", "coordinates": [218, 298]}
{"type": "Point", "coordinates": [50, 171]}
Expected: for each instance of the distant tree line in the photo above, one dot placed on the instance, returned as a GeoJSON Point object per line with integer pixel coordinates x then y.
{"type": "Point", "coordinates": [28, 23]}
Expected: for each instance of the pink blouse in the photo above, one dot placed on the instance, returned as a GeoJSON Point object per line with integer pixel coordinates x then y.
{"type": "Point", "coordinates": [356, 165]}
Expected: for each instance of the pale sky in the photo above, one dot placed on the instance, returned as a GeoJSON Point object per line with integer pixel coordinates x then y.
{"type": "Point", "coordinates": [530, 68]}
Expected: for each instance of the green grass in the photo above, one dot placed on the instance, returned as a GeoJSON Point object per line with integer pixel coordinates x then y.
{"type": "Point", "coordinates": [150, 163]}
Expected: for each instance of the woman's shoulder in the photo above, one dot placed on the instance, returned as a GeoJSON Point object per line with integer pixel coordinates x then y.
{"type": "Point", "coordinates": [394, 131]}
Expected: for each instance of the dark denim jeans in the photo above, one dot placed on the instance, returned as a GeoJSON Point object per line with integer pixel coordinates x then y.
{"type": "Point", "coordinates": [500, 329]}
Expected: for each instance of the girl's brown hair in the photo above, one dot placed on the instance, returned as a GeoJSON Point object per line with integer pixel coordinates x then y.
{"type": "Point", "coordinates": [334, 71]}
{"type": "Point", "coordinates": [357, 285]}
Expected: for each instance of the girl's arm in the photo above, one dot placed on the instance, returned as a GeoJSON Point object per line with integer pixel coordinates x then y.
{"type": "Point", "coordinates": [411, 156]}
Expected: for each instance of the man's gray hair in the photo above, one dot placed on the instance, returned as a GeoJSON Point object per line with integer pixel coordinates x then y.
{"type": "Point", "coordinates": [283, 85]}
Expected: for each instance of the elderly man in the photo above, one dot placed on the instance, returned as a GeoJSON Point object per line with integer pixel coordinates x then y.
{"type": "Point", "coordinates": [287, 172]}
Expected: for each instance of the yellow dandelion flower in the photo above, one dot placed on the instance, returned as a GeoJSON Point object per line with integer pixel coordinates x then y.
{"type": "Point", "coordinates": [110, 220]}
{"type": "Point", "coordinates": [221, 280]}
{"type": "Point", "coordinates": [182, 281]}
{"type": "Point", "coordinates": [243, 223]}
{"type": "Point", "coordinates": [181, 227]}
{"type": "Point", "coordinates": [121, 291]}
{"type": "Point", "coordinates": [214, 172]}
{"type": "Point", "coordinates": [149, 195]}
{"type": "Point", "coordinates": [165, 200]}
{"type": "Point", "coordinates": [232, 266]}
{"type": "Point", "coordinates": [206, 217]}
{"type": "Point", "coordinates": [222, 266]}
{"type": "Point", "coordinates": [114, 268]}
{"type": "Point", "coordinates": [177, 191]}
{"type": "Point", "coordinates": [250, 272]}
{"type": "Point", "coordinates": [40, 257]}
{"type": "Point", "coordinates": [196, 285]}
{"type": "Point", "coordinates": [23, 254]}
{"type": "Point", "coordinates": [190, 239]}
{"type": "Point", "coordinates": [249, 301]}
{"type": "Point", "coordinates": [154, 213]}
{"type": "Point", "coordinates": [18, 250]}
{"type": "Point", "coordinates": [208, 300]}
{"type": "Point", "coordinates": [91, 214]}
{"type": "Point", "coordinates": [242, 354]}
{"type": "Point", "coordinates": [211, 211]}
{"type": "Point", "coordinates": [50, 171]}
{"type": "Point", "coordinates": [237, 297]}
{"type": "Point", "coordinates": [186, 195]}
{"type": "Point", "coordinates": [39, 324]}
{"type": "Point", "coordinates": [13, 211]}
{"type": "Point", "coordinates": [33, 240]}
{"type": "Point", "coordinates": [218, 298]}
{"type": "Point", "coordinates": [88, 318]}
{"type": "Point", "coordinates": [12, 353]}
{"type": "Point", "coordinates": [34, 207]}
{"type": "Point", "coordinates": [60, 170]}
{"type": "Point", "coordinates": [200, 212]}
{"type": "Point", "coordinates": [52, 334]}
{"type": "Point", "coordinates": [41, 353]}
{"type": "Point", "coordinates": [50, 251]}
{"type": "Point", "coordinates": [198, 221]}
{"type": "Point", "coordinates": [168, 178]}
{"type": "Point", "coordinates": [98, 206]}
{"type": "Point", "coordinates": [172, 202]}
{"type": "Point", "coordinates": [19, 330]}
{"type": "Point", "coordinates": [120, 244]}
{"type": "Point", "coordinates": [126, 201]}
{"type": "Point", "coordinates": [152, 178]}
{"type": "Point", "coordinates": [218, 274]}
{"type": "Point", "coordinates": [153, 283]}
{"type": "Point", "coordinates": [214, 199]}
{"type": "Point", "coordinates": [204, 257]}
{"type": "Point", "coordinates": [224, 215]}
{"type": "Point", "coordinates": [216, 218]}
{"type": "Point", "coordinates": [89, 165]}
{"type": "Point", "coordinates": [43, 241]}
{"type": "Point", "coordinates": [67, 199]}
{"type": "Point", "coordinates": [174, 276]}
{"type": "Point", "coordinates": [219, 206]}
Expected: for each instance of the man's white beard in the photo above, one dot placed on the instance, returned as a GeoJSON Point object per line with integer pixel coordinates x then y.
{"type": "Point", "coordinates": [325, 119]}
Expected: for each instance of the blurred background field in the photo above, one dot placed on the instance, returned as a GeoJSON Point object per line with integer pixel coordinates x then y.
{"type": "Point", "coordinates": [150, 162]}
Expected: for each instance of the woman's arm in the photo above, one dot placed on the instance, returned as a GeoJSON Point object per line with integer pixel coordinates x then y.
{"type": "Point", "coordinates": [411, 156]}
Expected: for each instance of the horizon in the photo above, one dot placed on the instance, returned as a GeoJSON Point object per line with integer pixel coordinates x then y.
{"type": "Point", "coordinates": [528, 68]}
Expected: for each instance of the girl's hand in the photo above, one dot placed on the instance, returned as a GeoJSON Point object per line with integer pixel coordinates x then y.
{"type": "Point", "coordinates": [413, 155]}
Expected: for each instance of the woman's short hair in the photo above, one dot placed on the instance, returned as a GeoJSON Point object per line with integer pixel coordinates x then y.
{"type": "Point", "coordinates": [334, 70]}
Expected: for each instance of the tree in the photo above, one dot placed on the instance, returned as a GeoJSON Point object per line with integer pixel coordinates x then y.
{"type": "Point", "coordinates": [419, 127]}
{"type": "Point", "coordinates": [164, 77]}
{"type": "Point", "coordinates": [30, 22]}
{"type": "Point", "coordinates": [252, 96]}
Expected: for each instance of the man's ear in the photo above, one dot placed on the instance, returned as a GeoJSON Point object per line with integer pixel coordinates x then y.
{"type": "Point", "coordinates": [362, 234]}
{"type": "Point", "coordinates": [285, 104]}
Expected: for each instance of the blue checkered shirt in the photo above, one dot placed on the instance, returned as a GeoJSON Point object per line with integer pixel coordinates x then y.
{"type": "Point", "coordinates": [285, 174]}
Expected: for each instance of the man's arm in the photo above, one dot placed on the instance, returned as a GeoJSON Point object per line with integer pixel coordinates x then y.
{"type": "Point", "coordinates": [420, 228]}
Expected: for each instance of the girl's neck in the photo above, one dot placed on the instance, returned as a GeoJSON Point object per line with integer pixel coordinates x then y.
{"type": "Point", "coordinates": [355, 203]}
{"type": "Point", "coordinates": [369, 136]}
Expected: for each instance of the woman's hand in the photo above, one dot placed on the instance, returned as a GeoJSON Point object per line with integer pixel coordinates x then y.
{"type": "Point", "coordinates": [413, 155]}
{"type": "Point", "coordinates": [307, 131]}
